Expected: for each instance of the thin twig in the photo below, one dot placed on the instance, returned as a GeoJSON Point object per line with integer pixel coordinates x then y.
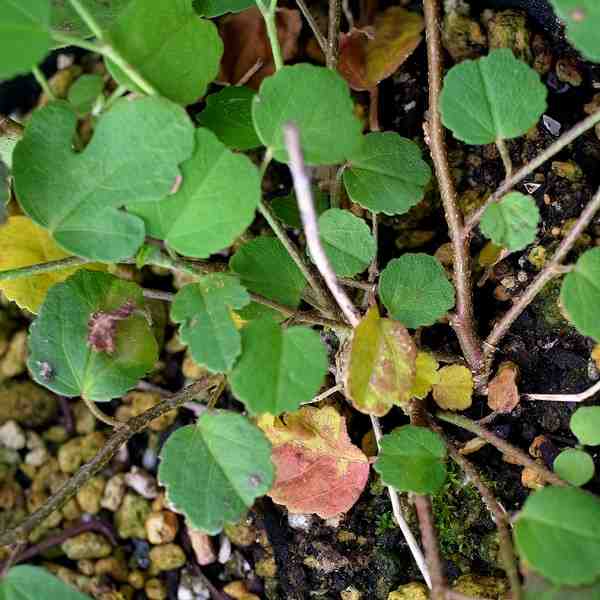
{"type": "Point", "coordinates": [502, 445]}
{"type": "Point", "coordinates": [313, 26]}
{"type": "Point", "coordinates": [269, 14]}
{"type": "Point", "coordinates": [333, 34]}
{"type": "Point", "coordinates": [359, 285]}
{"type": "Point", "coordinates": [505, 156]}
{"type": "Point", "coordinates": [510, 182]}
{"type": "Point", "coordinates": [251, 72]}
{"type": "Point", "coordinates": [326, 394]}
{"type": "Point", "coordinates": [106, 453]}
{"type": "Point", "coordinates": [551, 270]}
{"type": "Point", "coordinates": [463, 323]}
{"type": "Point", "coordinates": [580, 397]}
{"type": "Point", "coordinates": [53, 265]}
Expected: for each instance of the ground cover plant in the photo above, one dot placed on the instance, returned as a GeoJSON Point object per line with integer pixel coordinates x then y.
{"type": "Point", "coordinates": [257, 192]}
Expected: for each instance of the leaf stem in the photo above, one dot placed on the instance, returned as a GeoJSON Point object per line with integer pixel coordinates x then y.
{"type": "Point", "coordinates": [43, 83]}
{"type": "Point", "coordinates": [116, 95]}
{"type": "Point", "coordinates": [313, 26]}
{"type": "Point", "coordinates": [53, 265]}
{"type": "Point", "coordinates": [269, 14]}
{"type": "Point", "coordinates": [71, 40]}
{"type": "Point", "coordinates": [112, 54]}
{"type": "Point", "coordinates": [101, 415]}
{"type": "Point", "coordinates": [88, 18]}
{"type": "Point", "coordinates": [335, 13]}
{"type": "Point", "coordinates": [505, 156]}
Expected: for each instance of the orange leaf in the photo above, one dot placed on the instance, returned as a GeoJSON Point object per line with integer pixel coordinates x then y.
{"type": "Point", "coordinates": [503, 393]}
{"type": "Point", "coordinates": [367, 56]}
{"type": "Point", "coordinates": [318, 468]}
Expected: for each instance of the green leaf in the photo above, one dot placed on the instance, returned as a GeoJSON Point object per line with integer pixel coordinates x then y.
{"type": "Point", "coordinates": [318, 101]}
{"type": "Point", "coordinates": [77, 196]}
{"type": "Point", "coordinates": [84, 93]}
{"type": "Point", "coordinates": [61, 356]}
{"type": "Point", "coordinates": [24, 35]}
{"type": "Point", "coordinates": [216, 8]}
{"type": "Point", "coordinates": [265, 267]}
{"type": "Point", "coordinates": [537, 588]}
{"type": "Point", "coordinates": [214, 204]}
{"type": "Point", "coordinates": [228, 114]}
{"type": "Point", "coordinates": [582, 19]}
{"type": "Point", "coordinates": [204, 310]}
{"type": "Point", "coordinates": [381, 368]}
{"type": "Point", "coordinates": [279, 368]}
{"type": "Point", "coordinates": [387, 174]}
{"type": "Point", "coordinates": [574, 466]}
{"type": "Point", "coordinates": [412, 459]}
{"type": "Point", "coordinates": [558, 534]}
{"type": "Point", "coordinates": [512, 222]}
{"type": "Point", "coordinates": [66, 19]}
{"type": "Point", "coordinates": [415, 289]}
{"type": "Point", "coordinates": [580, 294]}
{"type": "Point", "coordinates": [347, 241]}
{"type": "Point", "coordinates": [585, 424]}
{"type": "Point", "coordinates": [286, 207]}
{"type": "Point", "coordinates": [166, 42]}
{"type": "Point", "coordinates": [491, 98]}
{"type": "Point", "coordinates": [214, 470]}
{"type": "Point", "coordinates": [25, 582]}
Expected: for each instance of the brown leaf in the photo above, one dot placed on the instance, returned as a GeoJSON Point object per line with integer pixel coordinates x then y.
{"type": "Point", "coordinates": [102, 327]}
{"type": "Point", "coordinates": [318, 468]}
{"type": "Point", "coordinates": [369, 55]}
{"type": "Point", "coordinates": [246, 43]}
{"type": "Point", "coordinates": [503, 393]}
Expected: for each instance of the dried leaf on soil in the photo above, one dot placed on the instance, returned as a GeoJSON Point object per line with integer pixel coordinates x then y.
{"type": "Point", "coordinates": [503, 393]}
{"type": "Point", "coordinates": [455, 388]}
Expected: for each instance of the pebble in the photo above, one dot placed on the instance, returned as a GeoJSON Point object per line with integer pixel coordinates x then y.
{"type": "Point", "coordinates": [131, 517]}
{"type": "Point", "coordinates": [203, 547]}
{"type": "Point", "coordinates": [87, 545]}
{"type": "Point", "coordinates": [141, 554]}
{"type": "Point", "coordinates": [192, 587]}
{"type": "Point", "coordinates": [26, 403]}
{"type": "Point", "coordinates": [85, 421]}
{"type": "Point", "coordinates": [142, 482]}
{"type": "Point", "coordinates": [37, 457]}
{"type": "Point", "coordinates": [241, 534]}
{"type": "Point", "coordinates": [12, 436]}
{"type": "Point", "coordinates": [155, 589]}
{"type": "Point", "coordinates": [167, 557]}
{"type": "Point", "coordinates": [115, 568]}
{"type": "Point", "coordinates": [142, 401]}
{"type": "Point", "coordinates": [90, 495]}
{"type": "Point", "coordinates": [161, 527]}
{"type": "Point", "coordinates": [13, 361]}
{"type": "Point", "coordinates": [79, 450]}
{"type": "Point", "coordinates": [136, 579]}
{"type": "Point", "coordinates": [114, 493]}
{"type": "Point", "coordinates": [224, 549]}
{"type": "Point", "coordinates": [303, 522]}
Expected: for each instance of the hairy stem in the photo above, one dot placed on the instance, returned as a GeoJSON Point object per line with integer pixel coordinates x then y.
{"type": "Point", "coordinates": [96, 464]}
{"type": "Point", "coordinates": [502, 445]}
{"type": "Point", "coordinates": [269, 14]}
{"type": "Point", "coordinates": [53, 265]}
{"type": "Point", "coordinates": [463, 323]}
{"type": "Point", "coordinates": [335, 13]}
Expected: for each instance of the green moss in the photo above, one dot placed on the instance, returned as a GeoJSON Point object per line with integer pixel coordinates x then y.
{"type": "Point", "coordinates": [547, 308]}
{"type": "Point", "coordinates": [385, 522]}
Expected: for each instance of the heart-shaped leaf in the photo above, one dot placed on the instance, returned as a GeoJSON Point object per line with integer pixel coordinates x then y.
{"type": "Point", "coordinates": [574, 466]}
{"type": "Point", "coordinates": [214, 204]}
{"type": "Point", "coordinates": [279, 368]}
{"type": "Point", "coordinates": [207, 326]}
{"type": "Point", "coordinates": [92, 337]}
{"type": "Point", "coordinates": [505, 98]}
{"type": "Point", "coordinates": [318, 468]}
{"type": "Point", "coordinates": [77, 196]}
{"type": "Point", "coordinates": [214, 470]}
{"type": "Point", "coordinates": [582, 18]}
{"type": "Point", "coordinates": [381, 368]}
{"type": "Point", "coordinates": [25, 582]}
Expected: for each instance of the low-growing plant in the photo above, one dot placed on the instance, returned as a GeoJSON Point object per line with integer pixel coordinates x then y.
{"type": "Point", "coordinates": [153, 187]}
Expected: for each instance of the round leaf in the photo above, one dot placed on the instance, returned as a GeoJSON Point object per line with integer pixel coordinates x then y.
{"type": "Point", "coordinates": [415, 290]}
{"type": "Point", "coordinates": [215, 203]}
{"type": "Point", "coordinates": [207, 326]}
{"type": "Point", "coordinates": [279, 368]}
{"type": "Point", "coordinates": [318, 101]}
{"type": "Point", "coordinates": [214, 470]}
{"type": "Point", "coordinates": [65, 353]}
{"type": "Point", "coordinates": [491, 98]}
{"type": "Point", "coordinates": [174, 50]}
{"type": "Point", "coordinates": [412, 459]}
{"type": "Point", "coordinates": [347, 241]}
{"type": "Point", "coordinates": [512, 222]}
{"type": "Point", "coordinates": [574, 466]}
{"type": "Point", "coordinates": [25, 582]}
{"type": "Point", "coordinates": [387, 174]}
{"type": "Point", "coordinates": [582, 19]}
{"type": "Point", "coordinates": [585, 424]}
{"type": "Point", "coordinates": [24, 35]}
{"type": "Point", "coordinates": [454, 391]}
{"type": "Point", "coordinates": [558, 534]}
{"type": "Point", "coordinates": [77, 196]}
{"type": "Point", "coordinates": [580, 294]}
{"type": "Point", "coordinates": [265, 267]}
{"type": "Point", "coordinates": [228, 114]}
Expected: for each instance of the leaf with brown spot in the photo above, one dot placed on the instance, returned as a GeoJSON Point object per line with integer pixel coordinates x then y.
{"type": "Point", "coordinates": [381, 369]}
{"type": "Point", "coordinates": [455, 388]}
{"type": "Point", "coordinates": [369, 55]}
{"type": "Point", "coordinates": [318, 469]}
{"type": "Point", "coordinates": [246, 44]}
{"type": "Point", "coordinates": [503, 393]}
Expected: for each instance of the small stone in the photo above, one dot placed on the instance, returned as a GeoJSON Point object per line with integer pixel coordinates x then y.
{"type": "Point", "coordinates": [87, 545]}
{"type": "Point", "coordinates": [508, 29]}
{"type": "Point", "coordinates": [143, 401]}
{"type": "Point", "coordinates": [136, 580]}
{"type": "Point", "coordinates": [115, 568]}
{"type": "Point", "coordinates": [71, 510]}
{"type": "Point", "coordinates": [242, 534]}
{"type": "Point", "coordinates": [37, 457]}
{"type": "Point", "coordinates": [552, 125]}
{"type": "Point", "coordinates": [567, 70]}
{"type": "Point", "coordinates": [239, 591]}
{"type": "Point", "coordinates": [13, 361]}
{"type": "Point", "coordinates": [142, 482]}
{"type": "Point", "coordinates": [410, 591]}
{"type": "Point", "coordinates": [85, 421]}
{"type": "Point", "coordinates": [26, 403]}
{"type": "Point", "coordinates": [266, 567]}
{"type": "Point", "coordinates": [567, 170]}
{"type": "Point", "coordinates": [494, 588]}
{"type": "Point", "coordinates": [303, 522]}
{"type": "Point", "coordinates": [70, 456]}
{"type": "Point", "coordinates": [224, 549]}
{"type": "Point", "coordinates": [351, 593]}
{"type": "Point", "coordinates": [203, 547]}
{"type": "Point", "coordinates": [90, 495]}
{"type": "Point", "coordinates": [114, 492]}
{"type": "Point", "coordinates": [161, 527]}
{"type": "Point", "coordinates": [155, 589]}
{"type": "Point", "coordinates": [56, 434]}
{"type": "Point", "coordinates": [12, 436]}
{"type": "Point", "coordinates": [140, 557]}
{"type": "Point", "coordinates": [131, 517]}
{"type": "Point", "coordinates": [86, 566]}
{"type": "Point", "coordinates": [167, 557]}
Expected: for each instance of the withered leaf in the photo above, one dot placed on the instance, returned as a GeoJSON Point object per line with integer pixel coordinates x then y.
{"type": "Point", "coordinates": [455, 388]}
{"type": "Point", "coordinates": [503, 393]}
{"type": "Point", "coordinates": [318, 469]}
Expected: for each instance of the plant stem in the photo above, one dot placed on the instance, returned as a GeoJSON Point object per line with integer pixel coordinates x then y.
{"type": "Point", "coordinates": [43, 82]}
{"type": "Point", "coordinates": [335, 13]}
{"type": "Point", "coordinates": [101, 415]}
{"type": "Point", "coordinates": [53, 265]}
{"type": "Point", "coordinates": [332, 390]}
{"type": "Point", "coordinates": [502, 445]}
{"type": "Point", "coordinates": [96, 464]}
{"type": "Point", "coordinates": [270, 17]}
{"type": "Point", "coordinates": [71, 40]}
{"type": "Point", "coordinates": [336, 186]}
{"type": "Point", "coordinates": [116, 95]}
{"type": "Point", "coordinates": [463, 323]}
{"type": "Point", "coordinates": [551, 270]}
{"type": "Point", "coordinates": [581, 397]}
{"type": "Point", "coordinates": [510, 182]}
{"type": "Point", "coordinates": [87, 18]}
{"type": "Point", "coordinates": [505, 156]}
{"type": "Point", "coordinates": [111, 54]}
{"type": "Point", "coordinates": [313, 26]}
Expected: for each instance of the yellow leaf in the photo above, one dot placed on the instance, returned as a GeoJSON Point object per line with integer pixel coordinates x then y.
{"type": "Point", "coordinates": [24, 244]}
{"type": "Point", "coordinates": [455, 388]}
{"type": "Point", "coordinates": [427, 375]}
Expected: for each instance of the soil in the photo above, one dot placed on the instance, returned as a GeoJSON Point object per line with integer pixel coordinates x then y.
{"type": "Point", "coordinates": [362, 555]}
